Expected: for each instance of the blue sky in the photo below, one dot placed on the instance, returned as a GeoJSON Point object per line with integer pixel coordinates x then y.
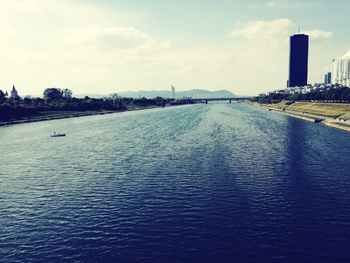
{"type": "Point", "coordinates": [209, 20]}
{"type": "Point", "coordinates": [108, 46]}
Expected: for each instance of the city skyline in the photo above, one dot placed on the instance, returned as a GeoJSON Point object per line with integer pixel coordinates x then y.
{"type": "Point", "coordinates": [110, 46]}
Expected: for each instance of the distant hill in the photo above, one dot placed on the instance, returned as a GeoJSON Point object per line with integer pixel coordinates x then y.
{"type": "Point", "coordinates": [194, 93]}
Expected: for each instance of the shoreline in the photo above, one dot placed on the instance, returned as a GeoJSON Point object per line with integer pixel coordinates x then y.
{"type": "Point", "coordinates": [51, 118]}
{"type": "Point", "coordinates": [299, 116]}
{"type": "Point", "coordinates": [314, 118]}
{"type": "Point", "coordinates": [336, 125]}
{"type": "Point", "coordinates": [68, 115]}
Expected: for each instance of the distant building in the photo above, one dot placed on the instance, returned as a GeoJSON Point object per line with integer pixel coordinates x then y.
{"type": "Point", "coordinates": [341, 70]}
{"type": "Point", "coordinates": [173, 95]}
{"type": "Point", "coordinates": [14, 93]}
{"type": "Point", "coordinates": [328, 78]}
{"type": "Point", "coordinates": [298, 60]}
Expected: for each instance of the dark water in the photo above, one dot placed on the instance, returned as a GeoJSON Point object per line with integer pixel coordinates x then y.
{"type": "Point", "coordinates": [206, 183]}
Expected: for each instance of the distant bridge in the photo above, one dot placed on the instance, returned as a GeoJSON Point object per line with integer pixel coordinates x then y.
{"type": "Point", "coordinates": [230, 100]}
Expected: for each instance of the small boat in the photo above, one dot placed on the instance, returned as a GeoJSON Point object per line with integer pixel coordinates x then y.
{"type": "Point", "coordinates": [57, 135]}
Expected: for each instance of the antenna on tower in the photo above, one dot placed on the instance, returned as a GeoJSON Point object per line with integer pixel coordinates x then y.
{"type": "Point", "coordinates": [299, 30]}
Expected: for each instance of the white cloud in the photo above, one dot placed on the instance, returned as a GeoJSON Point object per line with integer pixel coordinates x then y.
{"type": "Point", "coordinates": [110, 38]}
{"type": "Point", "coordinates": [316, 35]}
{"type": "Point", "coordinates": [274, 30]}
{"type": "Point", "coordinates": [265, 30]}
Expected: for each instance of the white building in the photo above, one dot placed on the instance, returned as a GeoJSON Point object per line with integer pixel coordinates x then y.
{"type": "Point", "coordinates": [341, 70]}
{"type": "Point", "coordinates": [173, 92]}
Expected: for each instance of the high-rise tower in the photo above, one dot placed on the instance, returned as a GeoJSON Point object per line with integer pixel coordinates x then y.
{"type": "Point", "coordinates": [173, 96]}
{"type": "Point", "coordinates": [298, 60]}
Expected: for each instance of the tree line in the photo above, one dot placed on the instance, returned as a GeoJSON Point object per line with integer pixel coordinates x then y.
{"type": "Point", "coordinates": [341, 94]}
{"type": "Point", "coordinates": [55, 99]}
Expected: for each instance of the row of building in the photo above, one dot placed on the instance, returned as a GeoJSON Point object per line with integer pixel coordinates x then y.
{"type": "Point", "coordinates": [298, 65]}
{"type": "Point", "coordinates": [310, 88]}
{"type": "Point", "coordinates": [298, 70]}
{"type": "Point", "coordinates": [304, 89]}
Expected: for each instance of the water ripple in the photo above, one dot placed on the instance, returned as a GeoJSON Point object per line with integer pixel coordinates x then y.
{"type": "Point", "coordinates": [203, 183]}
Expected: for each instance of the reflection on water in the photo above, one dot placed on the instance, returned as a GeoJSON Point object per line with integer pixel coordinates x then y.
{"type": "Point", "coordinates": [203, 183]}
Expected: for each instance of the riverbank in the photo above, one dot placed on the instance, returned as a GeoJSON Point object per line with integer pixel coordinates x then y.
{"type": "Point", "coordinates": [335, 115]}
{"type": "Point", "coordinates": [57, 115]}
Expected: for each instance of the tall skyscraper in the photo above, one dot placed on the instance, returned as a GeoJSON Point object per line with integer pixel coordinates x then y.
{"type": "Point", "coordinates": [298, 60]}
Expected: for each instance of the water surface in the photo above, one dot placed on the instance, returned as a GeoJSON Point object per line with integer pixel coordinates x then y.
{"type": "Point", "coordinates": [203, 183]}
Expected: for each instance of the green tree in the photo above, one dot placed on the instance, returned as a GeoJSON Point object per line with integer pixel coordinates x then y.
{"type": "Point", "coordinates": [27, 100]}
{"type": "Point", "coordinates": [67, 94]}
{"type": "Point", "coordinates": [114, 97]}
{"type": "Point", "coordinates": [2, 96]}
{"type": "Point", "coordinates": [53, 94]}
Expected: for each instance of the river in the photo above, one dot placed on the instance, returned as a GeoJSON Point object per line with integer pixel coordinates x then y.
{"type": "Point", "coordinates": [202, 183]}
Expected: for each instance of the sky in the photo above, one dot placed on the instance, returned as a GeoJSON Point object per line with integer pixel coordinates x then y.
{"type": "Point", "coordinates": [109, 46]}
